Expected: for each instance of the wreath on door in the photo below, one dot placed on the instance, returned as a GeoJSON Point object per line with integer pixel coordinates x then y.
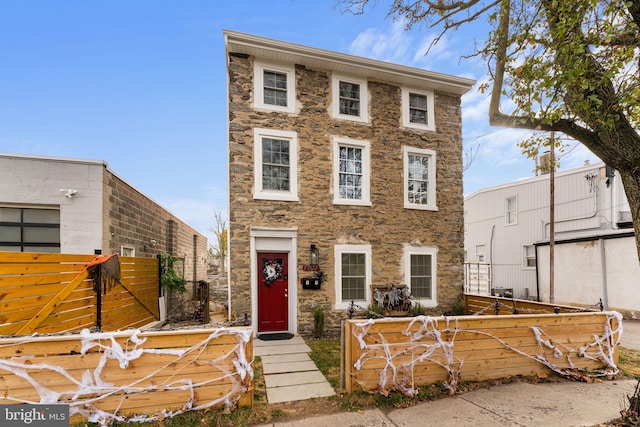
{"type": "Point", "coordinates": [272, 270]}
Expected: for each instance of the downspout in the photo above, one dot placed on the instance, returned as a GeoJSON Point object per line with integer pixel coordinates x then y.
{"type": "Point", "coordinates": [537, 276]}
{"type": "Point", "coordinates": [493, 229]}
{"type": "Point", "coordinates": [603, 266]}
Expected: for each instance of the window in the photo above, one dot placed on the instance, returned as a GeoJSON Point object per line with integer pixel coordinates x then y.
{"type": "Point", "coordinates": [420, 178]}
{"type": "Point", "coordinates": [511, 215]}
{"type": "Point", "coordinates": [529, 260]}
{"type": "Point", "coordinates": [351, 172]}
{"type": "Point", "coordinates": [420, 273]}
{"type": "Point", "coordinates": [352, 274]}
{"type": "Point", "coordinates": [276, 165]}
{"type": "Point", "coordinates": [350, 99]}
{"type": "Point", "coordinates": [29, 229]}
{"type": "Point", "coordinates": [417, 109]}
{"type": "Point", "coordinates": [127, 251]}
{"type": "Point", "coordinates": [274, 87]}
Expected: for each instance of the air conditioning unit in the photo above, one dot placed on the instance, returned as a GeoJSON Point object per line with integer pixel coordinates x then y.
{"type": "Point", "coordinates": [502, 292]}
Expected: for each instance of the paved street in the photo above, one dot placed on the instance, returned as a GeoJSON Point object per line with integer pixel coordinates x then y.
{"type": "Point", "coordinates": [630, 334]}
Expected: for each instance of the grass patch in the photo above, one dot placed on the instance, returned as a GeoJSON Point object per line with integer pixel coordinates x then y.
{"type": "Point", "coordinates": [629, 362]}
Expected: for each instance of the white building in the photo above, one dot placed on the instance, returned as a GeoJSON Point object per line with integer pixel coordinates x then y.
{"type": "Point", "coordinates": [507, 227]}
{"type": "Point", "coordinates": [78, 206]}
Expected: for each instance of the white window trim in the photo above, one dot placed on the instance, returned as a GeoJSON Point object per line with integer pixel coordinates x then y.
{"type": "Point", "coordinates": [258, 86]}
{"type": "Point", "coordinates": [366, 171]}
{"type": "Point", "coordinates": [258, 192]}
{"type": "Point", "coordinates": [524, 257]}
{"type": "Point", "coordinates": [124, 248]}
{"type": "Point", "coordinates": [338, 250]}
{"type": "Point", "coordinates": [432, 205]}
{"type": "Point", "coordinates": [423, 250]}
{"type": "Point", "coordinates": [406, 122]}
{"type": "Point", "coordinates": [506, 210]}
{"type": "Point", "coordinates": [335, 97]}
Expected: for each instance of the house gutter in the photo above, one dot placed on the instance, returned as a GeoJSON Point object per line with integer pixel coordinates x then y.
{"type": "Point", "coordinates": [537, 275]}
{"type": "Point", "coordinates": [603, 264]}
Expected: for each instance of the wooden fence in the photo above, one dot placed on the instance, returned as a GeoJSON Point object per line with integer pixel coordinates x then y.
{"type": "Point", "coordinates": [132, 375]}
{"type": "Point", "coordinates": [50, 293]}
{"type": "Point", "coordinates": [480, 304]}
{"type": "Point", "coordinates": [403, 354]}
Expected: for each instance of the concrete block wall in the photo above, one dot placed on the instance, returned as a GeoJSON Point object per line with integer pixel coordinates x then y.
{"type": "Point", "coordinates": [134, 220]}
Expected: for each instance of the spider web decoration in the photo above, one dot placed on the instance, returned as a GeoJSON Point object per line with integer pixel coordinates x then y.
{"type": "Point", "coordinates": [100, 392]}
{"type": "Point", "coordinates": [426, 350]}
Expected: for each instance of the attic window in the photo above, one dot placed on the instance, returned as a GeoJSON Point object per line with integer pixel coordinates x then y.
{"type": "Point", "coordinates": [350, 99]}
{"type": "Point", "coordinates": [274, 87]}
{"type": "Point", "coordinates": [417, 109]}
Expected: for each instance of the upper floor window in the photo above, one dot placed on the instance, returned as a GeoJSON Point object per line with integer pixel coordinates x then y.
{"type": "Point", "coordinates": [351, 172]}
{"type": "Point", "coordinates": [529, 256]}
{"type": "Point", "coordinates": [511, 210]}
{"type": "Point", "coordinates": [417, 109]}
{"type": "Point", "coordinates": [29, 229]}
{"type": "Point", "coordinates": [352, 274]}
{"type": "Point", "coordinates": [420, 273]}
{"type": "Point", "coordinates": [275, 165]}
{"type": "Point", "coordinates": [420, 178]}
{"type": "Point", "coordinates": [274, 87]}
{"type": "Point", "coordinates": [350, 99]}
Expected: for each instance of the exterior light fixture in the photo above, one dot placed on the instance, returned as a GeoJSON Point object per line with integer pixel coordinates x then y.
{"type": "Point", "coordinates": [314, 255]}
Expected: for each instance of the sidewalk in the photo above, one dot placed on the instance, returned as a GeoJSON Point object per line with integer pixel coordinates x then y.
{"type": "Point", "coordinates": [559, 404]}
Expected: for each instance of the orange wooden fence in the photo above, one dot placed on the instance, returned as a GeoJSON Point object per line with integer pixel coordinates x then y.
{"type": "Point", "coordinates": [482, 304]}
{"type": "Point", "coordinates": [50, 293]}
{"type": "Point", "coordinates": [130, 375]}
{"type": "Point", "coordinates": [403, 354]}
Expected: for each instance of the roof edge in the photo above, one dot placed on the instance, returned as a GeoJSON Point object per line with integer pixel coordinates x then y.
{"type": "Point", "coordinates": [236, 41]}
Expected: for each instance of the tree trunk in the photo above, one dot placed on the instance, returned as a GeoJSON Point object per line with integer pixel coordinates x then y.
{"type": "Point", "coordinates": [631, 182]}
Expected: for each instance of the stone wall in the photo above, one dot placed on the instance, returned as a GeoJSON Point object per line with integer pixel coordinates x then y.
{"type": "Point", "coordinates": [386, 225]}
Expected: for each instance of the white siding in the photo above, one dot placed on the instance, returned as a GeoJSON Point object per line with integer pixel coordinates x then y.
{"type": "Point", "coordinates": [587, 202]}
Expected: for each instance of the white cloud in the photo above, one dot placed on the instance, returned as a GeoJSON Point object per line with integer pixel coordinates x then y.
{"type": "Point", "coordinates": [391, 44]}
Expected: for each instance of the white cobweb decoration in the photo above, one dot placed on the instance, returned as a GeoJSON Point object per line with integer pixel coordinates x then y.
{"type": "Point", "coordinates": [430, 344]}
{"type": "Point", "coordinates": [84, 395]}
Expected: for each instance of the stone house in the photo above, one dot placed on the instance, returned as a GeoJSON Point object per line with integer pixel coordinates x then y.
{"type": "Point", "coordinates": [344, 172]}
{"type": "Point", "coordinates": [78, 206]}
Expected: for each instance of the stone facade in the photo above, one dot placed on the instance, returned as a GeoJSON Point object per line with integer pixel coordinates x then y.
{"type": "Point", "coordinates": [386, 225]}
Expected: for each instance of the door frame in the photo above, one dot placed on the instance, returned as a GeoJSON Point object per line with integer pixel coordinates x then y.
{"type": "Point", "coordinates": [266, 239]}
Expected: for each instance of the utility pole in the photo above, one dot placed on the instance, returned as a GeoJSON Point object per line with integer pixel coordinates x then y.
{"type": "Point", "coordinates": [552, 185]}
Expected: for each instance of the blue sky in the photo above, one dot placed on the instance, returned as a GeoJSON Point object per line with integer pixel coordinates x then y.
{"type": "Point", "coordinates": [141, 85]}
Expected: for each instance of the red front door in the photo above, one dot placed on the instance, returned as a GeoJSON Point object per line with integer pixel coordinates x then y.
{"type": "Point", "coordinates": [273, 292]}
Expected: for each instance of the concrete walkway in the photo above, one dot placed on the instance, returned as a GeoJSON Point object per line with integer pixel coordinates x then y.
{"type": "Point", "coordinates": [519, 404]}
{"type": "Point", "coordinates": [289, 372]}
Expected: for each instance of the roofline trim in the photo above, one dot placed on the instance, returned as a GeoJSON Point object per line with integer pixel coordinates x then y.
{"type": "Point", "coordinates": [236, 41]}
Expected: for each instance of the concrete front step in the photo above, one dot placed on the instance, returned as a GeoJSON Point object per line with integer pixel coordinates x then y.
{"type": "Point", "coordinates": [280, 349]}
{"type": "Point", "coordinates": [294, 378]}
{"type": "Point", "coordinates": [299, 392]}
{"type": "Point", "coordinates": [289, 372]}
{"type": "Point", "coordinates": [281, 368]}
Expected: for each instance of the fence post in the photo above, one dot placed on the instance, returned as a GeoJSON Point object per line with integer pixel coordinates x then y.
{"type": "Point", "coordinates": [497, 307]}
{"type": "Point", "coordinates": [97, 286]}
